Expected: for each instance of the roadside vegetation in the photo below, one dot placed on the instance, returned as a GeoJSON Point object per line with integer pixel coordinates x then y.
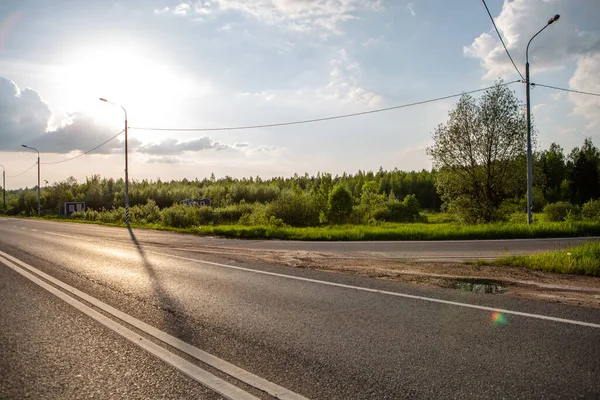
{"type": "Point", "coordinates": [582, 260]}
{"type": "Point", "coordinates": [475, 191]}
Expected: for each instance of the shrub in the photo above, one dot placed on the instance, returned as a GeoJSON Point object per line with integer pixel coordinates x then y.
{"type": "Point", "coordinates": [294, 208]}
{"type": "Point", "coordinates": [180, 216]}
{"type": "Point", "coordinates": [557, 212]}
{"type": "Point", "coordinates": [339, 205]}
{"type": "Point", "coordinates": [407, 210]}
{"type": "Point", "coordinates": [591, 210]}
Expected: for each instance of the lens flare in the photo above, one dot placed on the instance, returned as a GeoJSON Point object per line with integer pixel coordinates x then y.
{"type": "Point", "coordinates": [499, 319]}
{"type": "Point", "coordinates": [5, 27]}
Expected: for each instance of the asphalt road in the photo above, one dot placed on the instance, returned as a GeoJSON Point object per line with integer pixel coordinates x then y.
{"type": "Point", "coordinates": [416, 250]}
{"type": "Point", "coordinates": [320, 335]}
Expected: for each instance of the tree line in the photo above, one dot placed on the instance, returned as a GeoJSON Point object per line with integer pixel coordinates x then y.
{"type": "Point", "coordinates": [479, 175]}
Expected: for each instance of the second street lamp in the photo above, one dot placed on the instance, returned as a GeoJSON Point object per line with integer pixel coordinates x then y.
{"type": "Point", "coordinates": [38, 185]}
{"type": "Point", "coordinates": [126, 164]}
{"type": "Point", "coordinates": [529, 156]}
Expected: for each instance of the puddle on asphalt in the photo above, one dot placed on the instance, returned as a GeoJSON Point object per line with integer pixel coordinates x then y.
{"type": "Point", "coordinates": [480, 286]}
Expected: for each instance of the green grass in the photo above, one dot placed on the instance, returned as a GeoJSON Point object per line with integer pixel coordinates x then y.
{"type": "Point", "coordinates": [386, 231]}
{"type": "Point", "coordinates": [418, 231]}
{"type": "Point", "coordinates": [582, 260]}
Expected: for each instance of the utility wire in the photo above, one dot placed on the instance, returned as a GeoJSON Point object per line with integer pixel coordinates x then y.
{"type": "Point", "coordinates": [501, 40]}
{"type": "Point", "coordinates": [24, 172]}
{"type": "Point", "coordinates": [87, 152]}
{"type": "Point", "coordinates": [307, 121]}
{"type": "Point", "coordinates": [566, 90]}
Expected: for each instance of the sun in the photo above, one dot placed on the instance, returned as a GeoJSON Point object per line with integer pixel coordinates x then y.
{"type": "Point", "coordinates": [144, 84]}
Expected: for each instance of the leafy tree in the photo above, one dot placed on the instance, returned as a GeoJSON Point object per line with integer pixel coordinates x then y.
{"type": "Point", "coordinates": [340, 205]}
{"type": "Point", "coordinates": [585, 180]}
{"type": "Point", "coordinates": [479, 154]}
{"type": "Point", "coordinates": [554, 169]}
{"type": "Point", "coordinates": [372, 202]}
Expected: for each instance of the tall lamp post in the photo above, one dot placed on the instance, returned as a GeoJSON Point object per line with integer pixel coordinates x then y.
{"type": "Point", "coordinates": [126, 163]}
{"type": "Point", "coordinates": [3, 185]}
{"type": "Point", "coordinates": [38, 190]}
{"type": "Point", "coordinates": [529, 156]}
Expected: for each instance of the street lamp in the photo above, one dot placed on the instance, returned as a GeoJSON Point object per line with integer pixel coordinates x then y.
{"type": "Point", "coordinates": [38, 190]}
{"type": "Point", "coordinates": [529, 160]}
{"type": "Point", "coordinates": [3, 184]}
{"type": "Point", "coordinates": [126, 163]}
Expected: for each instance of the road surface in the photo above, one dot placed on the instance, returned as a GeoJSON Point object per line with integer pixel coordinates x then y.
{"type": "Point", "coordinates": [90, 310]}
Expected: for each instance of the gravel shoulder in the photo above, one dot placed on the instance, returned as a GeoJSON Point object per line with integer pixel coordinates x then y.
{"type": "Point", "coordinates": [575, 290]}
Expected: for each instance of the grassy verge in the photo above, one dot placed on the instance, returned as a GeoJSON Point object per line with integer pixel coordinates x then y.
{"type": "Point", "coordinates": [582, 260]}
{"type": "Point", "coordinates": [385, 231]}
{"type": "Point", "coordinates": [445, 231]}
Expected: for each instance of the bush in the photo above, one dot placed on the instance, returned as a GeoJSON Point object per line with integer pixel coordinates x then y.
{"type": "Point", "coordinates": [407, 210]}
{"type": "Point", "coordinates": [558, 212]}
{"type": "Point", "coordinates": [339, 205]}
{"type": "Point", "coordinates": [591, 210]}
{"type": "Point", "coordinates": [180, 216]}
{"type": "Point", "coordinates": [294, 208]}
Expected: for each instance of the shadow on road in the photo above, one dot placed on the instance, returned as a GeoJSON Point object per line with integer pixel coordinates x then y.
{"type": "Point", "coordinates": [174, 319]}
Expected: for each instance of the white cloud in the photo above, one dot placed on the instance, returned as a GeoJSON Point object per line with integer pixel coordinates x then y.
{"type": "Point", "coordinates": [24, 115]}
{"type": "Point", "coordinates": [587, 78]}
{"type": "Point", "coordinates": [173, 146]}
{"type": "Point", "coordinates": [411, 8]}
{"type": "Point", "coordinates": [165, 160]}
{"type": "Point", "coordinates": [182, 9]}
{"type": "Point", "coordinates": [560, 46]}
{"type": "Point", "coordinates": [372, 41]}
{"type": "Point", "coordinates": [263, 95]}
{"type": "Point", "coordinates": [518, 21]}
{"type": "Point", "coordinates": [343, 85]}
{"type": "Point", "coordinates": [324, 16]}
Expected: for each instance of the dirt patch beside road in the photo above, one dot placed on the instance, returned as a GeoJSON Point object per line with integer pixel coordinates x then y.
{"type": "Point", "coordinates": [567, 289]}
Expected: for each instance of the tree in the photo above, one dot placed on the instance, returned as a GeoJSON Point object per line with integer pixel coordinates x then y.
{"type": "Point", "coordinates": [585, 180]}
{"type": "Point", "coordinates": [552, 163]}
{"type": "Point", "coordinates": [479, 154]}
{"type": "Point", "coordinates": [340, 205]}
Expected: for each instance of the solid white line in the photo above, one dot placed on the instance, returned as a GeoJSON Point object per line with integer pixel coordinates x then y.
{"type": "Point", "coordinates": [207, 358]}
{"type": "Point", "coordinates": [385, 292]}
{"type": "Point", "coordinates": [205, 378]}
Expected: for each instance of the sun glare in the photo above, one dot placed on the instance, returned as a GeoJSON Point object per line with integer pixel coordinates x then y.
{"type": "Point", "coordinates": [145, 85]}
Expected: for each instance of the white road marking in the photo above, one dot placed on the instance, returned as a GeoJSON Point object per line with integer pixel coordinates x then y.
{"type": "Point", "coordinates": [207, 358]}
{"type": "Point", "coordinates": [61, 235]}
{"type": "Point", "coordinates": [207, 379]}
{"type": "Point", "coordinates": [385, 292]}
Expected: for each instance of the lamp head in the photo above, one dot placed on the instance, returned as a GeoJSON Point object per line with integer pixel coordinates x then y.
{"type": "Point", "coordinates": [104, 100]}
{"type": "Point", "coordinates": [553, 19]}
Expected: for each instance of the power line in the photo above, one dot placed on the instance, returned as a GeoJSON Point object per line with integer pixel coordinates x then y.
{"type": "Point", "coordinates": [307, 121]}
{"type": "Point", "coordinates": [87, 152]}
{"type": "Point", "coordinates": [24, 172]}
{"type": "Point", "coordinates": [501, 40]}
{"type": "Point", "coordinates": [566, 90]}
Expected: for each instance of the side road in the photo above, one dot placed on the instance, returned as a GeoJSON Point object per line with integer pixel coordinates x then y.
{"type": "Point", "coordinates": [449, 264]}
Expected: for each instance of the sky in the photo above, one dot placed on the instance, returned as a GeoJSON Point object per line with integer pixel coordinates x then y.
{"type": "Point", "coordinates": [228, 63]}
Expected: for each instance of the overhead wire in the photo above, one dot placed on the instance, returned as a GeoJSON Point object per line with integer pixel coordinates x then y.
{"type": "Point", "coordinates": [307, 121]}
{"type": "Point", "coordinates": [87, 152]}
{"type": "Point", "coordinates": [566, 90]}
{"type": "Point", "coordinates": [24, 172]}
{"type": "Point", "coordinates": [502, 40]}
